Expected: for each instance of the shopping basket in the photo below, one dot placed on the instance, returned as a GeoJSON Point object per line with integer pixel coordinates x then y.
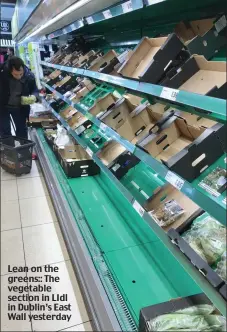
{"type": "Point", "coordinates": [16, 155]}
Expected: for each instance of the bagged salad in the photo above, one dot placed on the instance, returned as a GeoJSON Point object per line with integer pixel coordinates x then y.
{"type": "Point", "coordinates": [221, 267]}
{"type": "Point", "coordinates": [195, 318]}
{"type": "Point", "coordinates": [208, 238]}
{"type": "Point", "coordinates": [167, 212]}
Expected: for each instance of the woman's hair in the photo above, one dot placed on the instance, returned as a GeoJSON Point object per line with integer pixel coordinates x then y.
{"type": "Point", "coordinates": [15, 63]}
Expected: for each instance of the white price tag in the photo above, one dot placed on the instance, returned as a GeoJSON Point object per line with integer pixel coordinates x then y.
{"type": "Point", "coordinates": [170, 94]}
{"type": "Point", "coordinates": [153, 2]}
{"type": "Point", "coordinates": [138, 208]}
{"type": "Point", "coordinates": [107, 14]}
{"type": "Point", "coordinates": [127, 7]}
{"type": "Point", "coordinates": [103, 126]}
{"type": "Point", "coordinates": [90, 20]}
{"type": "Point", "coordinates": [88, 150]}
{"type": "Point", "coordinates": [174, 180]}
{"type": "Point", "coordinates": [64, 31]}
{"type": "Point", "coordinates": [221, 23]}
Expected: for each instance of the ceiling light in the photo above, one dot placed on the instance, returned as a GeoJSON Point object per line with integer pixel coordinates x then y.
{"type": "Point", "coordinates": [65, 12]}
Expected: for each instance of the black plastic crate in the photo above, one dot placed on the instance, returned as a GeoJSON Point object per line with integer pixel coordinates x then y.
{"type": "Point", "coordinates": [16, 155]}
{"type": "Point", "coordinates": [203, 267]}
{"type": "Point", "coordinates": [151, 312]}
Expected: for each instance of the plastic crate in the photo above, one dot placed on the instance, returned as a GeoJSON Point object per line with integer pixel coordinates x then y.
{"type": "Point", "coordinates": [16, 155]}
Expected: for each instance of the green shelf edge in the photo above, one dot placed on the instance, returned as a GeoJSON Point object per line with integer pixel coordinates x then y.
{"type": "Point", "coordinates": [206, 287]}
{"type": "Point", "coordinates": [213, 207]}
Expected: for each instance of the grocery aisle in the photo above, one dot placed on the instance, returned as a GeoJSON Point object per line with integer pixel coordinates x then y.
{"type": "Point", "coordinates": [31, 236]}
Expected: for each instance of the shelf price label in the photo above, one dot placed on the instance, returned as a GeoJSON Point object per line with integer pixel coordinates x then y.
{"type": "Point", "coordinates": [90, 20]}
{"type": "Point", "coordinates": [89, 152]}
{"type": "Point", "coordinates": [127, 7]}
{"type": "Point", "coordinates": [107, 14]}
{"type": "Point", "coordinates": [170, 94]}
{"type": "Point", "coordinates": [175, 180]}
{"type": "Point", "coordinates": [139, 209]}
{"type": "Point", "coordinates": [103, 126]}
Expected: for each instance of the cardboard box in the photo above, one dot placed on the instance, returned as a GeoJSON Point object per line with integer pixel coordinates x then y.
{"type": "Point", "coordinates": [170, 307]}
{"type": "Point", "coordinates": [116, 114]}
{"type": "Point", "coordinates": [76, 120]}
{"type": "Point", "coordinates": [106, 63]}
{"type": "Point", "coordinates": [144, 120]}
{"type": "Point", "coordinates": [152, 58]}
{"type": "Point", "coordinates": [176, 236]}
{"type": "Point", "coordinates": [102, 104]}
{"type": "Point", "coordinates": [122, 164]}
{"type": "Point", "coordinates": [49, 124]}
{"type": "Point", "coordinates": [110, 152]}
{"type": "Point", "coordinates": [68, 112]}
{"type": "Point", "coordinates": [76, 162]}
{"type": "Point", "coordinates": [209, 78]}
{"type": "Point", "coordinates": [210, 36]}
{"type": "Point", "coordinates": [70, 151]}
{"type": "Point", "coordinates": [198, 75]}
{"type": "Point", "coordinates": [189, 30]}
{"type": "Point", "coordinates": [77, 96]}
{"type": "Point", "coordinates": [184, 149]}
{"type": "Point", "coordinates": [167, 193]}
{"type": "Point", "coordinates": [206, 149]}
{"type": "Point", "coordinates": [200, 27]}
{"type": "Point", "coordinates": [142, 57]}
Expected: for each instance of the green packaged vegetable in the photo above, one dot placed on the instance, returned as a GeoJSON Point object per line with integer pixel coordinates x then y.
{"type": "Point", "coordinates": [201, 309]}
{"type": "Point", "coordinates": [175, 321]}
{"type": "Point", "coordinates": [221, 267]}
{"type": "Point", "coordinates": [208, 238]}
{"type": "Point", "coordinates": [28, 100]}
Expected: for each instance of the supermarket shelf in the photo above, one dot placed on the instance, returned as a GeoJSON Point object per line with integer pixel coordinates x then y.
{"type": "Point", "coordinates": [112, 12]}
{"type": "Point", "coordinates": [214, 296]}
{"type": "Point", "coordinates": [213, 108]}
{"type": "Point", "coordinates": [214, 207]}
{"type": "Point", "coordinates": [101, 311]}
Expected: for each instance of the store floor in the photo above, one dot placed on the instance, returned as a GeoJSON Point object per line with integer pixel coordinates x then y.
{"type": "Point", "coordinates": [31, 237]}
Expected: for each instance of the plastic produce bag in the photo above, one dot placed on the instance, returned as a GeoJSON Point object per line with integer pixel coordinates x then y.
{"type": "Point", "coordinates": [221, 267]}
{"type": "Point", "coordinates": [168, 212]}
{"type": "Point", "coordinates": [28, 100]}
{"type": "Point", "coordinates": [207, 237]}
{"type": "Point", "coordinates": [200, 309]}
{"type": "Point", "coordinates": [175, 321]}
{"type": "Point", "coordinates": [37, 109]}
{"type": "Point", "coordinates": [62, 138]}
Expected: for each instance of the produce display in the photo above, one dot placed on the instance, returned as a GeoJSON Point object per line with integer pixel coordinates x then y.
{"type": "Point", "coordinates": [221, 267]}
{"type": "Point", "coordinates": [208, 238]}
{"type": "Point", "coordinates": [196, 318]}
{"type": "Point", "coordinates": [215, 181]}
{"type": "Point", "coordinates": [168, 212]}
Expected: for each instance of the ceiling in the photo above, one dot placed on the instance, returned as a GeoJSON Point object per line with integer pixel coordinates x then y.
{"type": "Point", "coordinates": [50, 8]}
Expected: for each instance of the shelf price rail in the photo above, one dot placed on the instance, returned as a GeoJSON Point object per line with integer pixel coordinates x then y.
{"type": "Point", "coordinates": [213, 207]}
{"type": "Point", "coordinates": [207, 288]}
{"type": "Point", "coordinates": [209, 107]}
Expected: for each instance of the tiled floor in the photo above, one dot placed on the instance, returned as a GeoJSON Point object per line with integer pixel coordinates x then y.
{"type": "Point", "coordinates": [31, 236]}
